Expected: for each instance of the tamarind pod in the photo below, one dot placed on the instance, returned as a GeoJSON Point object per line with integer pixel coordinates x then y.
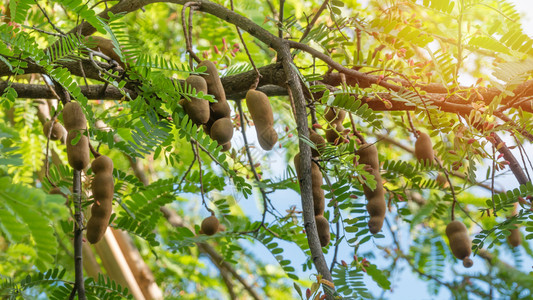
{"type": "Point", "coordinates": [318, 192]}
{"type": "Point", "coordinates": [267, 138]}
{"type": "Point", "coordinates": [222, 130]}
{"type": "Point", "coordinates": [220, 109]}
{"type": "Point", "coordinates": [514, 239]}
{"type": "Point", "coordinates": [442, 181]}
{"type": "Point", "coordinates": [102, 164]}
{"type": "Point", "coordinates": [73, 117]}
{"type": "Point", "coordinates": [226, 146]}
{"type": "Point", "coordinates": [368, 155]}
{"type": "Point", "coordinates": [207, 126]}
{"type": "Point", "coordinates": [78, 155]}
{"type": "Point", "coordinates": [322, 227]}
{"type": "Point", "coordinates": [316, 184]}
{"type": "Point", "coordinates": [375, 224]}
{"type": "Point", "coordinates": [103, 187]}
{"type": "Point", "coordinates": [424, 149]}
{"type": "Point", "coordinates": [460, 243]}
{"type": "Point", "coordinates": [197, 109]}
{"type": "Point", "coordinates": [319, 142]}
{"type": "Point", "coordinates": [210, 225]}
{"type": "Point", "coordinates": [334, 115]}
{"type": "Point", "coordinates": [57, 130]}
{"type": "Point", "coordinates": [98, 43]}
{"type": "Point", "coordinates": [260, 109]}
{"type": "Point", "coordinates": [376, 204]}
{"type": "Point", "coordinates": [333, 136]}
{"type": "Point", "coordinates": [261, 112]}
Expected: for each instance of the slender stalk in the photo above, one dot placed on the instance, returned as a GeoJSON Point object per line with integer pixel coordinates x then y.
{"type": "Point", "coordinates": [79, 285]}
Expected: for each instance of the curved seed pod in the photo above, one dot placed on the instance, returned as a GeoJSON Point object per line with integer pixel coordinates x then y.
{"type": "Point", "coordinates": [334, 133]}
{"type": "Point", "coordinates": [57, 130]}
{"type": "Point", "coordinates": [460, 243]}
{"type": "Point", "coordinates": [102, 164]}
{"type": "Point", "coordinates": [226, 146]}
{"type": "Point", "coordinates": [319, 142]}
{"type": "Point", "coordinates": [78, 155]}
{"type": "Point", "coordinates": [424, 148]}
{"type": "Point", "coordinates": [73, 117]}
{"type": "Point", "coordinates": [222, 130]}
{"type": "Point", "coordinates": [368, 155]}
{"type": "Point", "coordinates": [376, 204]}
{"type": "Point", "coordinates": [322, 227]}
{"type": "Point", "coordinates": [98, 43]}
{"type": "Point", "coordinates": [261, 112]}
{"type": "Point", "coordinates": [334, 115]}
{"type": "Point", "coordinates": [514, 239]}
{"type": "Point", "coordinates": [318, 192]}
{"type": "Point", "coordinates": [220, 109]}
{"type": "Point", "coordinates": [316, 184]}
{"type": "Point", "coordinates": [210, 225]}
{"type": "Point", "coordinates": [103, 187]}
{"type": "Point", "coordinates": [442, 181]}
{"type": "Point", "coordinates": [267, 138]}
{"type": "Point", "coordinates": [197, 109]}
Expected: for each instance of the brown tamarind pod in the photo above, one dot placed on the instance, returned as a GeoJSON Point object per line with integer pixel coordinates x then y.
{"type": "Point", "coordinates": [222, 130]}
{"type": "Point", "coordinates": [98, 43]}
{"type": "Point", "coordinates": [102, 164]}
{"type": "Point", "coordinates": [316, 184]}
{"type": "Point", "coordinates": [322, 227]}
{"type": "Point", "coordinates": [319, 142]}
{"type": "Point", "coordinates": [514, 238]}
{"type": "Point", "coordinates": [334, 115]}
{"type": "Point", "coordinates": [318, 192]}
{"type": "Point", "coordinates": [73, 116]}
{"type": "Point", "coordinates": [197, 109]}
{"type": "Point", "coordinates": [442, 181]}
{"type": "Point", "coordinates": [460, 243]}
{"type": "Point", "coordinates": [57, 130]}
{"type": "Point", "coordinates": [334, 136]}
{"type": "Point", "coordinates": [226, 146]}
{"type": "Point", "coordinates": [261, 112]}
{"type": "Point", "coordinates": [424, 149]}
{"type": "Point", "coordinates": [368, 155]}
{"type": "Point", "coordinates": [103, 186]}
{"type": "Point", "coordinates": [78, 155]}
{"type": "Point", "coordinates": [376, 204]}
{"type": "Point", "coordinates": [267, 138]}
{"type": "Point", "coordinates": [210, 225]}
{"type": "Point", "coordinates": [220, 109]}
{"type": "Point", "coordinates": [97, 224]}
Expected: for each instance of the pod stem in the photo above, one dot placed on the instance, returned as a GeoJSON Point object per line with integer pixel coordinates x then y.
{"type": "Point", "coordinates": [95, 153]}
{"type": "Point", "coordinates": [79, 286]}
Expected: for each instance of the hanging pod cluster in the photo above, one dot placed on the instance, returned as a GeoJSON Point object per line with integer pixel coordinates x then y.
{"type": "Point", "coordinates": [261, 112]}
{"type": "Point", "coordinates": [103, 189]}
{"type": "Point", "coordinates": [76, 125]}
{"type": "Point", "coordinates": [376, 205]}
{"type": "Point", "coordinates": [215, 117]}
{"type": "Point", "coordinates": [322, 224]}
{"type": "Point", "coordinates": [335, 117]}
{"type": "Point", "coordinates": [460, 243]}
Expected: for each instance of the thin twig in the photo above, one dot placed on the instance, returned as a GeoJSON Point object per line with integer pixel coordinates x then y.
{"type": "Point", "coordinates": [48, 19]}
{"type": "Point", "coordinates": [195, 151]}
{"type": "Point", "coordinates": [187, 30]}
{"type": "Point", "coordinates": [256, 82]}
{"type": "Point", "coordinates": [315, 18]}
{"type": "Point", "coordinates": [78, 236]}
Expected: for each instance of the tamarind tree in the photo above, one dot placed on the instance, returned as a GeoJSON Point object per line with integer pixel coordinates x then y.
{"type": "Point", "coordinates": [407, 116]}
